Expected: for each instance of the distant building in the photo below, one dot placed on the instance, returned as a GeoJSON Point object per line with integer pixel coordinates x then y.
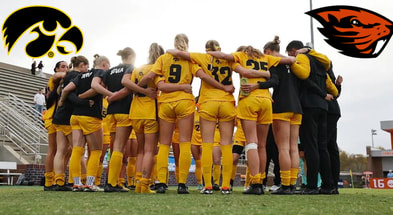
{"type": "Point", "coordinates": [380, 161]}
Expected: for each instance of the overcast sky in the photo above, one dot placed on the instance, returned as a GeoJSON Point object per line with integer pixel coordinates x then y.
{"type": "Point", "coordinates": [109, 26]}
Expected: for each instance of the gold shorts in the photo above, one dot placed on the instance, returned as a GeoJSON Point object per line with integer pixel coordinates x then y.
{"type": "Point", "coordinates": [87, 124]}
{"type": "Point", "coordinates": [65, 129]}
{"type": "Point", "coordinates": [147, 126]}
{"type": "Point", "coordinates": [293, 118]}
{"type": "Point", "coordinates": [132, 135]}
{"type": "Point", "coordinates": [257, 109]}
{"type": "Point", "coordinates": [118, 120]}
{"type": "Point", "coordinates": [221, 110]}
{"type": "Point", "coordinates": [170, 111]}
{"type": "Point", "coordinates": [49, 126]}
{"type": "Point", "coordinates": [239, 142]}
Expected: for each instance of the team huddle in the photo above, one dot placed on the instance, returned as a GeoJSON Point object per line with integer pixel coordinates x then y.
{"type": "Point", "coordinates": [139, 113]}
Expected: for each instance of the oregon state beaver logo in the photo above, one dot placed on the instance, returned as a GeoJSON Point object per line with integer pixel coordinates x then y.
{"type": "Point", "coordinates": [355, 31]}
{"type": "Point", "coordinates": [43, 21]}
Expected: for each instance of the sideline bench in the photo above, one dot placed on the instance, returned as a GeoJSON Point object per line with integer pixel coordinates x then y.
{"type": "Point", "coordinates": [5, 165]}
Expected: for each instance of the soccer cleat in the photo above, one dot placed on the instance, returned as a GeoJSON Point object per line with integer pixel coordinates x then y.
{"type": "Point", "coordinates": [77, 188]}
{"type": "Point", "coordinates": [299, 189]}
{"type": "Point", "coordinates": [225, 191]}
{"type": "Point", "coordinates": [216, 187]}
{"type": "Point", "coordinates": [255, 189]}
{"type": "Point", "coordinates": [283, 190]}
{"type": "Point", "coordinates": [109, 189]}
{"type": "Point", "coordinates": [50, 188]}
{"type": "Point", "coordinates": [92, 188]}
{"type": "Point", "coordinates": [265, 189]}
{"type": "Point", "coordinates": [310, 191]}
{"type": "Point", "coordinates": [132, 187]}
{"type": "Point", "coordinates": [161, 188]}
{"type": "Point", "coordinates": [182, 189]}
{"type": "Point", "coordinates": [207, 190]}
{"type": "Point", "coordinates": [326, 191]}
{"type": "Point", "coordinates": [274, 188]}
{"type": "Point", "coordinates": [61, 188]}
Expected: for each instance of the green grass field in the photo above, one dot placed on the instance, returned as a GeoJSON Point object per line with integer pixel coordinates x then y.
{"type": "Point", "coordinates": [33, 200]}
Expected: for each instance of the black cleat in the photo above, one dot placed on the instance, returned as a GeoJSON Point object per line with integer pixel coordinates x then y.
{"type": "Point", "coordinates": [50, 188]}
{"type": "Point", "coordinates": [61, 188]}
{"type": "Point", "coordinates": [207, 190]}
{"type": "Point", "coordinates": [283, 190]}
{"type": "Point", "coordinates": [111, 189]}
{"type": "Point", "coordinates": [182, 189]}
{"type": "Point", "coordinates": [326, 191]}
{"type": "Point", "coordinates": [216, 187]}
{"type": "Point", "coordinates": [255, 189]}
{"type": "Point", "coordinates": [161, 188]}
{"type": "Point", "coordinates": [131, 187]}
{"type": "Point", "coordinates": [310, 191]}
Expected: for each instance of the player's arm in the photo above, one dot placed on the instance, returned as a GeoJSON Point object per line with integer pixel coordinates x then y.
{"type": "Point", "coordinates": [98, 86]}
{"type": "Point", "coordinates": [221, 55]}
{"type": "Point", "coordinates": [147, 78]}
{"type": "Point", "coordinates": [169, 88]}
{"type": "Point", "coordinates": [301, 68]}
{"type": "Point", "coordinates": [251, 73]}
{"type": "Point", "coordinates": [177, 53]}
{"type": "Point", "coordinates": [132, 86]}
{"type": "Point", "coordinates": [211, 81]}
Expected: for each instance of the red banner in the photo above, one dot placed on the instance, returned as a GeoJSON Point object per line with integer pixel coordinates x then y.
{"type": "Point", "coordinates": [381, 183]}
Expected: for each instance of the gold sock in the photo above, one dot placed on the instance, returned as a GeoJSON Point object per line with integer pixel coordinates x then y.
{"type": "Point", "coordinates": [49, 178]}
{"type": "Point", "coordinates": [131, 171]}
{"type": "Point", "coordinates": [138, 176]}
{"type": "Point", "coordinates": [248, 177]}
{"type": "Point", "coordinates": [294, 172]}
{"type": "Point", "coordinates": [75, 161]}
{"type": "Point", "coordinates": [256, 179]}
{"type": "Point", "coordinates": [227, 161]}
{"type": "Point", "coordinates": [144, 184]}
{"type": "Point", "coordinates": [94, 163]}
{"type": "Point", "coordinates": [184, 161]}
{"type": "Point", "coordinates": [207, 162]}
{"type": "Point", "coordinates": [162, 163]}
{"type": "Point", "coordinates": [285, 177]}
{"type": "Point", "coordinates": [198, 171]}
{"type": "Point", "coordinates": [114, 167]}
{"type": "Point", "coordinates": [99, 174]}
{"type": "Point", "coordinates": [60, 179]}
{"type": "Point", "coordinates": [234, 171]}
{"type": "Point", "coordinates": [177, 169]}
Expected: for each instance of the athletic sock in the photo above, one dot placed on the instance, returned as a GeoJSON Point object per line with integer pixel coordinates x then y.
{"type": "Point", "coordinates": [99, 174]}
{"type": "Point", "coordinates": [248, 177]}
{"type": "Point", "coordinates": [162, 163]}
{"type": "Point", "coordinates": [184, 161]}
{"type": "Point", "coordinates": [216, 173]}
{"type": "Point", "coordinates": [285, 177]}
{"type": "Point", "coordinates": [207, 162]}
{"type": "Point", "coordinates": [227, 161]}
{"type": "Point", "coordinates": [92, 166]}
{"type": "Point", "coordinates": [75, 162]}
{"type": "Point", "coordinates": [294, 173]}
{"type": "Point", "coordinates": [131, 171]}
{"type": "Point", "coordinates": [234, 171]}
{"type": "Point", "coordinates": [49, 178]}
{"type": "Point", "coordinates": [256, 179]}
{"type": "Point", "coordinates": [114, 167]}
{"type": "Point", "coordinates": [60, 179]}
{"type": "Point", "coordinates": [177, 172]}
{"type": "Point", "coordinates": [198, 171]}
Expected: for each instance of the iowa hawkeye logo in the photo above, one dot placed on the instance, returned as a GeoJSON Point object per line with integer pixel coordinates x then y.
{"type": "Point", "coordinates": [44, 21]}
{"type": "Point", "coordinates": [357, 32]}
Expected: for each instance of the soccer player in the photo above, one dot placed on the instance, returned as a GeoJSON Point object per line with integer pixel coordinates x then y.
{"type": "Point", "coordinates": [86, 123]}
{"type": "Point", "coordinates": [255, 111]}
{"type": "Point", "coordinates": [196, 147]}
{"type": "Point", "coordinates": [51, 98]}
{"type": "Point", "coordinates": [176, 102]}
{"type": "Point", "coordinates": [217, 104]}
{"type": "Point", "coordinates": [144, 118]}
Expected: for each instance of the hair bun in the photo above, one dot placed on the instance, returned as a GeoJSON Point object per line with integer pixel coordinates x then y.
{"type": "Point", "coordinates": [276, 40]}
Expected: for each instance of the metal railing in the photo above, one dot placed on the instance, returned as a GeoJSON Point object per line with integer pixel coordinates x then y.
{"type": "Point", "coordinates": [22, 125]}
